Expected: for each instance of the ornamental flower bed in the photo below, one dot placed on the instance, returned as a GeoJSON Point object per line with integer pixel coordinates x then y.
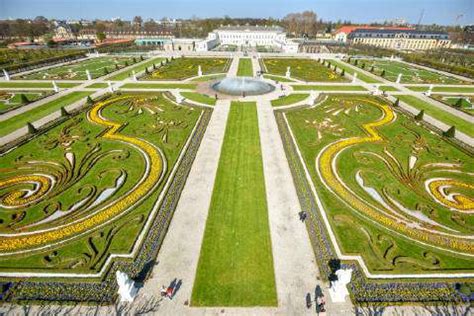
{"type": "Point", "coordinates": [362, 290]}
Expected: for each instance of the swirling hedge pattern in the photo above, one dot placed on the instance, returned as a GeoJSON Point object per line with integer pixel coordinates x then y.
{"type": "Point", "coordinates": [104, 290]}
{"type": "Point", "coordinates": [362, 290]}
{"type": "Point", "coordinates": [15, 243]}
{"type": "Point", "coordinates": [326, 162]}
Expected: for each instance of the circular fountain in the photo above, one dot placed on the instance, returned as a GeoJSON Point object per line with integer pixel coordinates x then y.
{"type": "Point", "coordinates": [242, 86]}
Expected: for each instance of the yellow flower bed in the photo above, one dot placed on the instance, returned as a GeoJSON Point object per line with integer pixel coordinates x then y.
{"type": "Point", "coordinates": [330, 178]}
{"type": "Point", "coordinates": [16, 198]}
{"type": "Point", "coordinates": [461, 202]}
{"type": "Point", "coordinates": [36, 240]}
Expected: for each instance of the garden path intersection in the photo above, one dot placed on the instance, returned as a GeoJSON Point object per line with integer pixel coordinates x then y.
{"type": "Point", "coordinates": [301, 143]}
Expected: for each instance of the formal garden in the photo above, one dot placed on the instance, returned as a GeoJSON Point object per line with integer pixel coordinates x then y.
{"type": "Point", "coordinates": [390, 69]}
{"type": "Point", "coordinates": [395, 194]}
{"type": "Point", "coordinates": [187, 67]}
{"type": "Point", "coordinates": [10, 100]}
{"type": "Point", "coordinates": [97, 67]}
{"type": "Point", "coordinates": [93, 194]}
{"type": "Point", "coordinates": [302, 69]}
{"type": "Point", "coordinates": [14, 60]}
{"type": "Point", "coordinates": [462, 103]}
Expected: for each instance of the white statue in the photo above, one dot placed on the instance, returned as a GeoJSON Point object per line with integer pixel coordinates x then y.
{"type": "Point", "coordinates": [134, 75]}
{"type": "Point", "coordinates": [55, 86]}
{"type": "Point", "coordinates": [430, 90]}
{"type": "Point", "coordinates": [288, 72]}
{"type": "Point", "coordinates": [338, 289]}
{"type": "Point", "coordinates": [179, 97]}
{"type": "Point", "coordinates": [399, 78]}
{"type": "Point", "coordinates": [354, 77]}
{"type": "Point", "coordinates": [127, 290]}
{"type": "Point", "coordinates": [111, 87]}
{"type": "Point", "coordinates": [377, 90]}
{"type": "Point", "coordinates": [199, 71]}
{"type": "Point", "coordinates": [312, 97]}
{"type": "Point", "coordinates": [7, 76]}
{"type": "Point", "coordinates": [89, 77]}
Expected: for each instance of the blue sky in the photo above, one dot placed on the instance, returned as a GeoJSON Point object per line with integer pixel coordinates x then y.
{"type": "Point", "coordinates": [436, 11]}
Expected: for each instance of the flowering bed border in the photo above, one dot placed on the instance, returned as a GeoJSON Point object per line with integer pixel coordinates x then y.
{"type": "Point", "coordinates": [362, 290]}
{"type": "Point", "coordinates": [104, 291]}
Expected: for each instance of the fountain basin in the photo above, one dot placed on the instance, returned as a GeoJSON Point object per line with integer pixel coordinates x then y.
{"type": "Point", "coordinates": [242, 85]}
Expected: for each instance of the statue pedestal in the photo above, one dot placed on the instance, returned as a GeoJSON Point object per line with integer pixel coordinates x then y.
{"type": "Point", "coordinates": [338, 290]}
{"type": "Point", "coordinates": [127, 290]}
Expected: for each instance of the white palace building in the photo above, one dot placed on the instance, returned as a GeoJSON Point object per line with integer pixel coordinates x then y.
{"type": "Point", "coordinates": [248, 36]}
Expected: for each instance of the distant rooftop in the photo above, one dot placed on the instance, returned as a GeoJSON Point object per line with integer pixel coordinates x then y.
{"type": "Point", "coordinates": [350, 28]}
{"type": "Point", "coordinates": [251, 28]}
{"type": "Point", "coordinates": [386, 33]}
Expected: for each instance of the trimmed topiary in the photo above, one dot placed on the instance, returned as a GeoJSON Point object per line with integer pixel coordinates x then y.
{"type": "Point", "coordinates": [397, 102]}
{"type": "Point", "coordinates": [64, 112]}
{"type": "Point", "coordinates": [89, 100]}
{"type": "Point", "coordinates": [106, 71]}
{"type": "Point", "coordinates": [451, 132]}
{"type": "Point", "coordinates": [383, 73]}
{"type": "Point", "coordinates": [420, 115]}
{"type": "Point", "coordinates": [458, 103]}
{"type": "Point", "coordinates": [31, 128]}
{"type": "Point", "coordinates": [24, 99]}
{"type": "Point", "coordinates": [343, 73]}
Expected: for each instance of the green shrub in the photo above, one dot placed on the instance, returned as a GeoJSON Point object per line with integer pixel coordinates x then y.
{"type": "Point", "coordinates": [420, 115]}
{"type": "Point", "coordinates": [24, 99]}
{"type": "Point", "coordinates": [64, 112]}
{"type": "Point", "coordinates": [89, 100]}
{"type": "Point", "coordinates": [451, 132]}
{"type": "Point", "coordinates": [31, 128]}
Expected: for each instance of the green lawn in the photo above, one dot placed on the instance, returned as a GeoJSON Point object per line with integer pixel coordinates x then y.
{"type": "Point", "coordinates": [186, 67]}
{"type": "Point", "coordinates": [12, 99]}
{"type": "Point", "coordinates": [236, 265]}
{"type": "Point", "coordinates": [198, 97]}
{"type": "Point", "coordinates": [410, 74]}
{"type": "Point", "coordinates": [443, 116]}
{"type": "Point", "coordinates": [245, 68]}
{"type": "Point", "coordinates": [328, 88]}
{"type": "Point", "coordinates": [466, 103]}
{"type": "Point", "coordinates": [158, 86]}
{"type": "Point", "coordinates": [208, 78]}
{"type": "Point", "coordinates": [290, 99]}
{"type": "Point", "coordinates": [97, 67]}
{"type": "Point", "coordinates": [278, 78]}
{"type": "Point", "coordinates": [442, 89]}
{"type": "Point", "coordinates": [302, 69]}
{"type": "Point", "coordinates": [35, 114]}
{"type": "Point", "coordinates": [98, 85]}
{"type": "Point", "coordinates": [139, 68]}
{"type": "Point", "coordinates": [351, 71]}
{"type": "Point", "coordinates": [26, 85]}
{"type": "Point", "coordinates": [388, 88]}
